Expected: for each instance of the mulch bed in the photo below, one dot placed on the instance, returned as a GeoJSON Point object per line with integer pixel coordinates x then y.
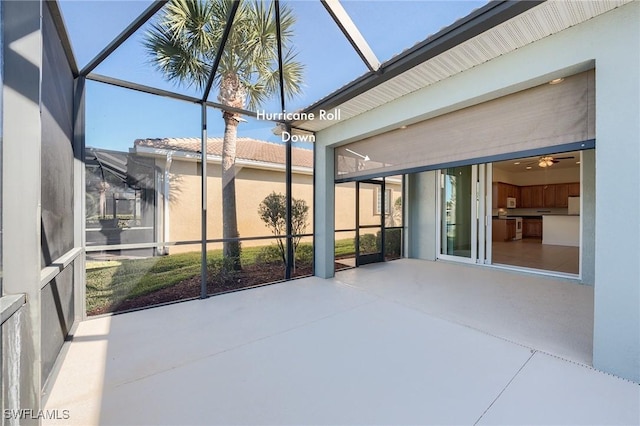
{"type": "Point", "coordinates": [249, 276]}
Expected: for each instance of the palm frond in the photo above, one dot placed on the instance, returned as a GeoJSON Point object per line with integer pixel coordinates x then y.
{"type": "Point", "coordinates": [292, 74]}
{"type": "Point", "coordinates": [183, 42]}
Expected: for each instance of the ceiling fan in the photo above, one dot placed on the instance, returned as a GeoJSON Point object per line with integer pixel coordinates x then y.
{"type": "Point", "coordinates": [548, 161]}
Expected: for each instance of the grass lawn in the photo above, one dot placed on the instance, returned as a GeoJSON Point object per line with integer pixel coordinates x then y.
{"type": "Point", "coordinates": [345, 248]}
{"type": "Point", "coordinates": [117, 280]}
{"type": "Point", "coordinates": [112, 281]}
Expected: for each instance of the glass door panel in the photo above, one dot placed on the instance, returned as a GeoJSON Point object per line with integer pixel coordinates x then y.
{"type": "Point", "coordinates": [371, 204]}
{"type": "Point", "coordinates": [458, 212]}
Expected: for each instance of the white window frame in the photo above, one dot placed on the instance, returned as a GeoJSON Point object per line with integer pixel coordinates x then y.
{"type": "Point", "coordinates": [377, 201]}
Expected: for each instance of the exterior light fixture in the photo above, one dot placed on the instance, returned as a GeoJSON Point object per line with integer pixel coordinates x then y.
{"type": "Point", "coordinates": [556, 80]}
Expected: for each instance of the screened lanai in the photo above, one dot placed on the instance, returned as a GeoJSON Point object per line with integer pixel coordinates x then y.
{"type": "Point", "coordinates": [149, 226]}
{"type": "Point", "coordinates": [362, 155]}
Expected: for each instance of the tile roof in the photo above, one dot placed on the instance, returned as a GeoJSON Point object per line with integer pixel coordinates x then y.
{"type": "Point", "coordinates": [247, 149]}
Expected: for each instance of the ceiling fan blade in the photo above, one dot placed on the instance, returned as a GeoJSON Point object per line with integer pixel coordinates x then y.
{"type": "Point", "coordinates": [563, 158]}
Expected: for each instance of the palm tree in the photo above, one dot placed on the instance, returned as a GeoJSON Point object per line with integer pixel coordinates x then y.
{"type": "Point", "coordinates": [183, 43]}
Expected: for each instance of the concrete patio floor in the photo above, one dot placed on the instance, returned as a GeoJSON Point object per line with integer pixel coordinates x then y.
{"type": "Point", "coordinates": [405, 342]}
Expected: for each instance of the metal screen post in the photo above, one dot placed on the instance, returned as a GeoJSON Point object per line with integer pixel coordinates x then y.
{"type": "Point", "coordinates": [289, 212]}
{"type": "Point", "coordinates": [203, 150]}
{"type": "Point", "coordinates": [290, 252]}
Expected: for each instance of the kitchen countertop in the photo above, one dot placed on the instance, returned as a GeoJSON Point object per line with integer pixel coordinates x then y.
{"type": "Point", "coordinates": [522, 216]}
{"type": "Point", "coordinates": [540, 216]}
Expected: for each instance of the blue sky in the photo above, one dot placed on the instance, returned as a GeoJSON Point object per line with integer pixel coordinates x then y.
{"type": "Point", "coordinates": [116, 117]}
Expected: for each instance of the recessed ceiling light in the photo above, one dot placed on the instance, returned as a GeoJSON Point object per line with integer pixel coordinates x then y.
{"type": "Point", "coordinates": [556, 80]}
{"type": "Point", "coordinates": [529, 167]}
{"type": "Point", "coordinates": [403, 127]}
{"type": "Point", "coordinates": [516, 163]}
{"type": "Point", "coordinates": [577, 162]}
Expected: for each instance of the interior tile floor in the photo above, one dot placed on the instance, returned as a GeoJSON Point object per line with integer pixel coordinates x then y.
{"type": "Point", "coordinates": [404, 342]}
{"type": "Point", "coordinates": [531, 253]}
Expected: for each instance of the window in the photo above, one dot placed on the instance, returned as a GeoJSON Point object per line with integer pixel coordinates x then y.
{"type": "Point", "coordinates": [387, 201]}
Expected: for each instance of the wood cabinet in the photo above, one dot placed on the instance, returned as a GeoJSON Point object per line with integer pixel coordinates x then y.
{"type": "Point", "coordinates": [562, 195]}
{"type": "Point", "coordinates": [573, 189]}
{"type": "Point", "coordinates": [537, 196]}
{"type": "Point", "coordinates": [503, 230]}
{"type": "Point", "coordinates": [547, 196]}
{"type": "Point", "coordinates": [502, 191]}
{"type": "Point", "coordinates": [494, 195]}
{"type": "Point", "coordinates": [499, 195]}
{"type": "Point", "coordinates": [531, 228]}
{"type": "Point", "coordinates": [525, 197]}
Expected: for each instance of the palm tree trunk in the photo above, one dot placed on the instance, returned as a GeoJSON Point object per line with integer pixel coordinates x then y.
{"type": "Point", "coordinates": [231, 250]}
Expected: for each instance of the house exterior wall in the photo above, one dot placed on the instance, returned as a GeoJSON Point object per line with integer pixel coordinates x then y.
{"type": "Point", "coordinates": [252, 186]}
{"type": "Point", "coordinates": [610, 43]}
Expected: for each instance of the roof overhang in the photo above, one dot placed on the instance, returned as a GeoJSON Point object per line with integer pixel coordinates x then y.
{"type": "Point", "coordinates": [496, 29]}
{"type": "Point", "coordinates": [216, 159]}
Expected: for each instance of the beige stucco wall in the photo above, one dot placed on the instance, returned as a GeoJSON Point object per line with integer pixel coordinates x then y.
{"type": "Point", "coordinates": [252, 186]}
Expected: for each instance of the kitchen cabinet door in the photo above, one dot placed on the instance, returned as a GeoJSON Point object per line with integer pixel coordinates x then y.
{"type": "Point", "coordinates": [511, 229]}
{"type": "Point", "coordinates": [537, 196]}
{"type": "Point", "coordinates": [525, 197]}
{"type": "Point", "coordinates": [574, 189]}
{"type": "Point", "coordinates": [549, 197]}
{"type": "Point", "coordinates": [503, 193]}
{"type": "Point", "coordinates": [531, 228]}
{"type": "Point", "coordinates": [562, 195]}
{"type": "Point", "coordinates": [499, 230]}
{"type": "Point", "coordinates": [526, 224]}
{"type": "Point", "coordinates": [536, 228]}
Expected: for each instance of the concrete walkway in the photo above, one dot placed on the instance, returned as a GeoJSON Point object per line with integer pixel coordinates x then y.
{"type": "Point", "coordinates": [390, 343]}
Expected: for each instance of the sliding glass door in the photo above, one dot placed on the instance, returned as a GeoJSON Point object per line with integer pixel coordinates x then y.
{"type": "Point", "coordinates": [462, 211]}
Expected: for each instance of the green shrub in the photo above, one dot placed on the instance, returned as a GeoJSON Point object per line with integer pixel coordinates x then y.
{"type": "Point", "coordinates": [304, 254]}
{"type": "Point", "coordinates": [222, 269]}
{"type": "Point", "coordinates": [369, 243]}
{"type": "Point", "coordinates": [269, 254]}
{"type": "Point", "coordinates": [273, 212]}
{"type": "Point", "coordinates": [392, 242]}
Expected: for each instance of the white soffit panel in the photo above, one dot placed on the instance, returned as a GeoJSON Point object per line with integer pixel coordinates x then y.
{"type": "Point", "coordinates": [542, 21]}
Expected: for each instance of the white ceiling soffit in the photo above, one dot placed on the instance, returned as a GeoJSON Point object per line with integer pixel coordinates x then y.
{"type": "Point", "coordinates": [548, 18]}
